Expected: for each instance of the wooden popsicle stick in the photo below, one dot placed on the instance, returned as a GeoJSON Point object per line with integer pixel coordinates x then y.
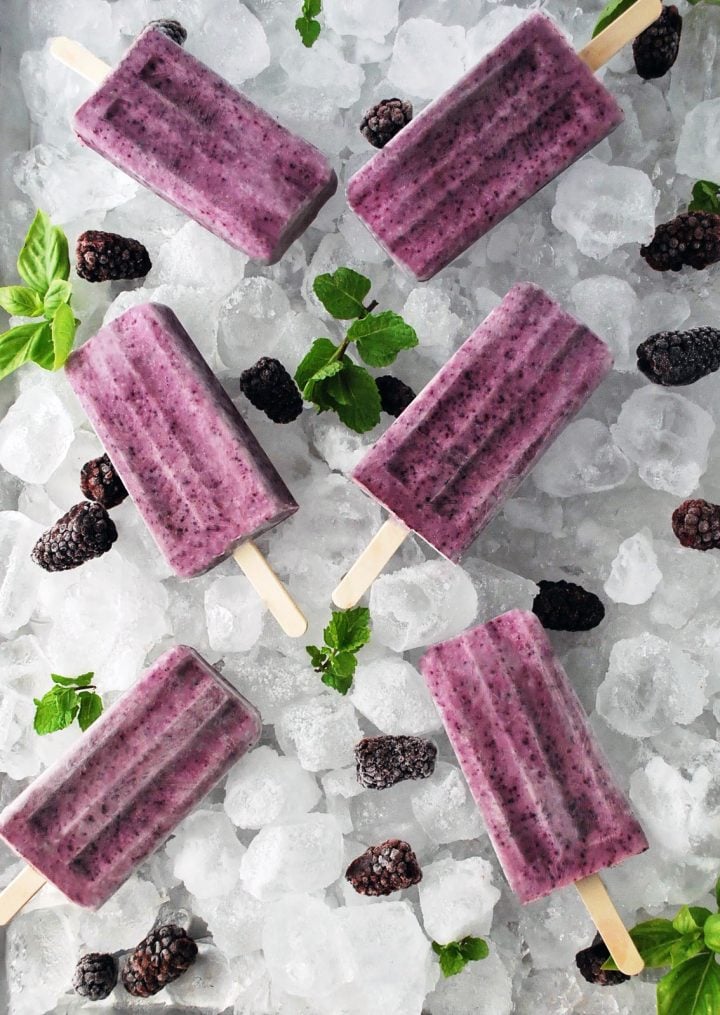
{"type": "Point", "coordinates": [386, 541]}
{"type": "Point", "coordinates": [79, 59]}
{"type": "Point", "coordinates": [611, 928]}
{"type": "Point", "coordinates": [619, 32]}
{"type": "Point", "coordinates": [270, 589]}
{"type": "Point", "coordinates": [20, 890]}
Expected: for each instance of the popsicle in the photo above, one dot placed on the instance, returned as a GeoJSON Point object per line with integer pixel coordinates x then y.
{"type": "Point", "coordinates": [187, 458]}
{"type": "Point", "coordinates": [98, 812]}
{"type": "Point", "coordinates": [553, 809]}
{"type": "Point", "coordinates": [520, 117]}
{"type": "Point", "coordinates": [180, 129]}
{"type": "Point", "coordinates": [461, 448]}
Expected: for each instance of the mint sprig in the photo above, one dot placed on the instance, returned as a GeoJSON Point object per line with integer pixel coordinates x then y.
{"type": "Point", "coordinates": [456, 955]}
{"type": "Point", "coordinates": [70, 698]}
{"type": "Point", "coordinates": [327, 377]}
{"type": "Point", "coordinates": [307, 24]}
{"type": "Point", "coordinates": [705, 195]}
{"type": "Point", "coordinates": [44, 264]}
{"type": "Point", "coordinates": [344, 636]}
{"type": "Point", "coordinates": [688, 945]}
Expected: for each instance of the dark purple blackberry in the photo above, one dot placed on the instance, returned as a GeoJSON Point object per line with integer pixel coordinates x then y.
{"type": "Point", "coordinates": [696, 523]}
{"type": "Point", "coordinates": [656, 49]}
{"type": "Point", "coordinates": [590, 961]}
{"type": "Point", "coordinates": [165, 954]}
{"type": "Point", "coordinates": [563, 606]}
{"type": "Point", "coordinates": [105, 257]}
{"type": "Point", "coordinates": [271, 389]}
{"type": "Point", "coordinates": [384, 120]}
{"type": "Point", "coordinates": [680, 357]}
{"type": "Point", "coordinates": [395, 395]}
{"type": "Point", "coordinates": [100, 482]}
{"type": "Point", "coordinates": [95, 976]}
{"type": "Point", "coordinates": [384, 869]}
{"type": "Point", "coordinates": [86, 531]}
{"type": "Point", "coordinates": [691, 239]}
{"type": "Point", "coordinates": [170, 27]}
{"type": "Point", "coordinates": [385, 760]}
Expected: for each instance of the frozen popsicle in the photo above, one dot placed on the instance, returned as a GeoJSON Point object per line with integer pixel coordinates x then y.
{"type": "Point", "coordinates": [99, 811]}
{"type": "Point", "coordinates": [553, 809]}
{"type": "Point", "coordinates": [180, 129]}
{"type": "Point", "coordinates": [461, 448]}
{"type": "Point", "coordinates": [189, 461]}
{"type": "Point", "coordinates": [520, 117]}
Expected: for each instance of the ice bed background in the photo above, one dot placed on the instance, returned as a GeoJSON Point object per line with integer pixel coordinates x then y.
{"type": "Point", "coordinates": [596, 510]}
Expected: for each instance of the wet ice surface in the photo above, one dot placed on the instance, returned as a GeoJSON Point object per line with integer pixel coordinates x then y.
{"type": "Point", "coordinates": [259, 865]}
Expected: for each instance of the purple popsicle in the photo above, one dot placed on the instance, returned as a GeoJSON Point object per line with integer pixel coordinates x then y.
{"type": "Point", "coordinates": [552, 806]}
{"type": "Point", "coordinates": [525, 113]}
{"type": "Point", "coordinates": [88, 821]}
{"type": "Point", "coordinates": [180, 129]}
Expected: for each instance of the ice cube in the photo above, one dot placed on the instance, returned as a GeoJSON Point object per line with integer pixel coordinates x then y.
{"type": "Point", "coordinates": [235, 921]}
{"type": "Point", "coordinates": [444, 806]}
{"type": "Point", "coordinates": [482, 988]}
{"type": "Point", "coordinates": [610, 307]}
{"type": "Point", "coordinates": [244, 52]}
{"type": "Point", "coordinates": [249, 321]}
{"type": "Point", "coordinates": [272, 681]}
{"type": "Point", "coordinates": [194, 257]}
{"type": "Point", "coordinates": [20, 575]}
{"type": "Point", "coordinates": [422, 604]}
{"type": "Point", "coordinates": [123, 920]}
{"type": "Point", "coordinates": [324, 69]}
{"type": "Point", "coordinates": [650, 685]}
{"type": "Point", "coordinates": [634, 574]}
{"type": "Point", "coordinates": [307, 953]}
{"type": "Point", "coordinates": [428, 310]}
{"type": "Point", "coordinates": [265, 788]}
{"type": "Point", "coordinates": [234, 614]}
{"type": "Point", "coordinates": [583, 459]}
{"type": "Point", "coordinates": [457, 898]}
{"type": "Point", "coordinates": [667, 436]}
{"type": "Point", "coordinates": [299, 856]}
{"type": "Point", "coordinates": [698, 151]}
{"type": "Point", "coordinates": [490, 31]}
{"type": "Point", "coordinates": [394, 697]}
{"type": "Point", "coordinates": [689, 584]}
{"type": "Point", "coordinates": [604, 207]}
{"type": "Point", "coordinates": [555, 929]}
{"type": "Point", "coordinates": [35, 435]}
{"type": "Point", "coordinates": [427, 57]}
{"type": "Point", "coordinates": [664, 802]}
{"type": "Point", "coordinates": [321, 731]}
{"type": "Point", "coordinates": [36, 959]}
{"type": "Point", "coordinates": [206, 854]}
{"type": "Point", "coordinates": [364, 18]}
{"type": "Point", "coordinates": [209, 983]}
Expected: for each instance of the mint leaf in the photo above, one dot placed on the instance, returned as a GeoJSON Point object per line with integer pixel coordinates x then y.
{"type": "Point", "coordinates": [20, 301]}
{"type": "Point", "coordinates": [59, 291]}
{"type": "Point", "coordinates": [456, 955]}
{"type": "Point", "coordinates": [360, 406]}
{"type": "Point", "coordinates": [306, 24]}
{"type": "Point", "coordinates": [350, 630]}
{"type": "Point", "coordinates": [473, 948]}
{"type": "Point", "coordinates": [63, 328]}
{"type": "Point", "coordinates": [692, 988]}
{"type": "Point", "coordinates": [320, 352]}
{"type": "Point", "coordinates": [690, 918]}
{"type": "Point", "coordinates": [82, 681]}
{"type": "Point", "coordinates": [711, 932]}
{"type": "Point", "coordinates": [318, 657]}
{"type": "Point", "coordinates": [314, 390]}
{"type": "Point", "coordinates": [25, 343]}
{"type": "Point", "coordinates": [451, 961]}
{"type": "Point", "coordinates": [44, 255]}
{"type": "Point", "coordinates": [654, 940]}
{"type": "Point", "coordinates": [610, 12]}
{"type": "Point", "coordinates": [91, 707]}
{"type": "Point", "coordinates": [380, 337]}
{"type": "Point", "coordinates": [343, 293]}
{"type": "Point", "coordinates": [55, 710]}
{"type": "Point", "coordinates": [705, 195]}
{"type": "Point", "coordinates": [339, 675]}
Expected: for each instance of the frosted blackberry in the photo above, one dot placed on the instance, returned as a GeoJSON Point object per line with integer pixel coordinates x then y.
{"type": "Point", "coordinates": [680, 357]}
{"type": "Point", "coordinates": [563, 606]}
{"type": "Point", "coordinates": [84, 532]}
{"type": "Point", "coordinates": [164, 955]}
{"type": "Point", "coordinates": [100, 482]}
{"type": "Point", "coordinates": [386, 760]}
{"type": "Point", "coordinates": [692, 239]}
{"type": "Point", "coordinates": [383, 121]}
{"type": "Point", "coordinates": [105, 257]}
{"type": "Point", "coordinates": [696, 523]}
{"type": "Point", "coordinates": [384, 869]}
{"type": "Point", "coordinates": [95, 976]}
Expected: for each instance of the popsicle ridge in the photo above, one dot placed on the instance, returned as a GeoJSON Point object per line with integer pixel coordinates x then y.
{"type": "Point", "coordinates": [469, 439]}
{"type": "Point", "coordinates": [193, 467]}
{"type": "Point", "coordinates": [506, 129]}
{"type": "Point", "coordinates": [88, 820]}
{"type": "Point", "coordinates": [553, 808]}
{"type": "Point", "coordinates": [179, 128]}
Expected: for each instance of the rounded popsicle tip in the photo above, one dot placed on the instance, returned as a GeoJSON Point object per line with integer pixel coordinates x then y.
{"type": "Point", "coordinates": [344, 596]}
{"type": "Point", "coordinates": [294, 625]}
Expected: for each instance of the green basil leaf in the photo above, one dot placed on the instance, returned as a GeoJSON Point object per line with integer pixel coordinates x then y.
{"type": "Point", "coordinates": [692, 988]}
{"type": "Point", "coordinates": [26, 343]}
{"type": "Point", "coordinates": [711, 932]}
{"type": "Point", "coordinates": [654, 940]}
{"type": "Point", "coordinates": [44, 255]}
{"type": "Point", "coordinates": [609, 13]}
{"type": "Point", "coordinates": [59, 291]}
{"type": "Point", "coordinates": [20, 301]}
{"type": "Point", "coordinates": [380, 337]}
{"type": "Point", "coordinates": [690, 918]}
{"type": "Point", "coordinates": [63, 334]}
{"type": "Point", "coordinates": [343, 293]}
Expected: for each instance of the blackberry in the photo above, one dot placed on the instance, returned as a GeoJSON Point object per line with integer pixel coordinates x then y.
{"type": "Point", "coordinates": [384, 120]}
{"type": "Point", "coordinates": [696, 523]}
{"type": "Point", "coordinates": [170, 27]}
{"type": "Point", "coordinates": [86, 531]}
{"type": "Point", "coordinates": [164, 955]}
{"type": "Point", "coordinates": [100, 482]}
{"type": "Point", "coordinates": [691, 239]}
{"type": "Point", "coordinates": [104, 257]}
{"type": "Point", "coordinates": [563, 606]}
{"type": "Point", "coordinates": [656, 49]}
{"type": "Point", "coordinates": [384, 869]}
{"type": "Point", "coordinates": [395, 395]}
{"type": "Point", "coordinates": [383, 761]}
{"type": "Point", "coordinates": [590, 960]}
{"type": "Point", "coordinates": [271, 389]}
{"type": "Point", "coordinates": [95, 976]}
{"type": "Point", "coordinates": [680, 357]}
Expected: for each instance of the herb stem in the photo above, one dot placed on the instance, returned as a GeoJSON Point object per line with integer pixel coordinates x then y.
{"type": "Point", "coordinates": [369, 310]}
